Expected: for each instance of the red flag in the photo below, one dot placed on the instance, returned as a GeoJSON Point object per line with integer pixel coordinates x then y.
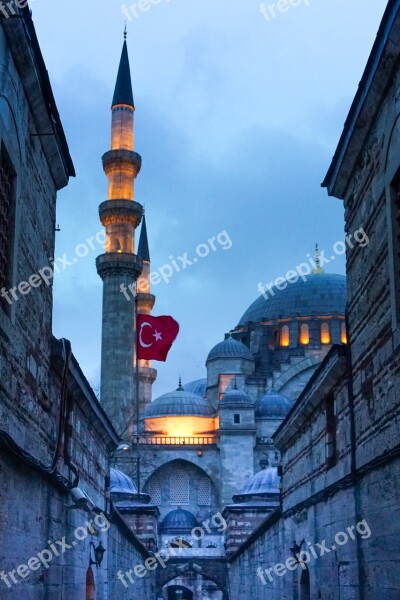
{"type": "Point", "coordinates": [155, 336]}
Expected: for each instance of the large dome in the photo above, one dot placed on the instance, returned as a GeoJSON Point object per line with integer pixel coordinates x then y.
{"type": "Point", "coordinates": [322, 294]}
{"type": "Point", "coordinates": [196, 387]}
{"type": "Point", "coordinates": [177, 404]}
{"type": "Point", "coordinates": [230, 348]}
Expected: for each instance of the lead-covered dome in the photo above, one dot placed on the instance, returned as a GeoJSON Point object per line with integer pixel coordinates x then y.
{"type": "Point", "coordinates": [120, 483]}
{"type": "Point", "coordinates": [196, 387]}
{"type": "Point", "coordinates": [273, 406]}
{"type": "Point", "coordinates": [322, 294]}
{"type": "Point", "coordinates": [236, 398]}
{"type": "Point", "coordinates": [179, 520]}
{"type": "Point", "coordinates": [179, 403]}
{"type": "Point", "coordinates": [230, 348]}
{"type": "Point", "coordinates": [264, 482]}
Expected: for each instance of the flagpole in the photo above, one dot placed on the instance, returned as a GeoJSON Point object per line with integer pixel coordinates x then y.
{"type": "Point", "coordinates": [137, 398]}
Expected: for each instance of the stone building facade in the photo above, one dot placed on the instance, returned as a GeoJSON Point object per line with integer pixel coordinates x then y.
{"type": "Point", "coordinates": [55, 439]}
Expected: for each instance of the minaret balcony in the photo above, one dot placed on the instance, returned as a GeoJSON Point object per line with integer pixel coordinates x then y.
{"type": "Point", "coordinates": [119, 263]}
{"type": "Point", "coordinates": [145, 302]}
{"type": "Point", "coordinates": [126, 160]}
{"type": "Point", "coordinates": [120, 211]}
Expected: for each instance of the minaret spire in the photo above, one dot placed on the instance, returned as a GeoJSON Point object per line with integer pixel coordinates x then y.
{"type": "Point", "coordinates": [119, 267]}
{"type": "Point", "coordinates": [143, 249]}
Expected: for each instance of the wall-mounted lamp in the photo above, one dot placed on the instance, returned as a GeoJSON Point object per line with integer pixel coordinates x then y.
{"type": "Point", "coordinates": [199, 452]}
{"type": "Point", "coordinates": [98, 554]}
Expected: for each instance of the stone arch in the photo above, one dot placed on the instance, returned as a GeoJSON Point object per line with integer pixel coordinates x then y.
{"type": "Point", "coordinates": [210, 571]}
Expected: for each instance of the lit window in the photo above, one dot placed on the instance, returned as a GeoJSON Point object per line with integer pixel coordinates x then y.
{"type": "Point", "coordinates": [325, 334]}
{"type": "Point", "coordinates": [285, 337]}
{"type": "Point", "coordinates": [304, 334]}
{"type": "Point", "coordinates": [179, 489]}
{"type": "Point", "coordinates": [204, 492]}
{"type": "Point", "coordinates": [343, 333]}
{"type": "Point", "coordinates": [236, 419]}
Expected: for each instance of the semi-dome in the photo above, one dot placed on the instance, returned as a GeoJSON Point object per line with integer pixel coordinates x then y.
{"type": "Point", "coordinates": [179, 520]}
{"type": "Point", "coordinates": [236, 398]}
{"type": "Point", "coordinates": [230, 348]}
{"type": "Point", "coordinates": [322, 294]}
{"type": "Point", "coordinates": [264, 482]}
{"type": "Point", "coordinates": [273, 406]}
{"type": "Point", "coordinates": [120, 483]}
{"type": "Point", "coordinates": [196, 387]}
{"type": "Point", "coordinates": [179, 403]}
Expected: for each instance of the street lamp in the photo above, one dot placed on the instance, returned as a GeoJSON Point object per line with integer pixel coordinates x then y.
{"type": "Point", "coordinates": [98, 554]}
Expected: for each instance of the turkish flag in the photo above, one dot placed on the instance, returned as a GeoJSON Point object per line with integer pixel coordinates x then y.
{"type": "Point", "coordinates": [155, 336]}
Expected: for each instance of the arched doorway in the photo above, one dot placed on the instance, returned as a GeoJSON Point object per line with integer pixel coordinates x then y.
{"type": "Point", "coordinates": [179, 592]}
{"type": "Point", "coordinates": [305, 589]}
{"type": "Point", "coordinates": [90, 586]}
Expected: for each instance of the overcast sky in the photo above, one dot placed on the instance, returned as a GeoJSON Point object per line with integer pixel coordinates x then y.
{"type": "Point", "coordinates": [237, 118]}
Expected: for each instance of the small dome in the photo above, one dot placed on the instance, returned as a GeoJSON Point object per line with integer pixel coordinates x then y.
{"type": "Point", "coordinates": [273, 406]}
{"type": "Point", "coordinates": [178, 404]}
{"type": "Point", "coordinates": [264, 482]}
{"type": "Point", "coordinates": [179, 519]}
{"type": "Point", "coordinates": [196, 387]}
{"type": "Point", "coordinates": [121, 483]}
{"type": "Point", "coordinates": [236, 398]}
{"type": "Point", "coordinates": [230, 348]}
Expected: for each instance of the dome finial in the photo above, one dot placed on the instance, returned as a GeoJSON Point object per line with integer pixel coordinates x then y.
{"type": "Point", "coordinates": [125, 32]}
{"type": "Point", "coordinates": [180, 387]}
{"type": "Point", "coordinates": [235, 387]}
{"type": "Point", "coordinates": [318, 269]}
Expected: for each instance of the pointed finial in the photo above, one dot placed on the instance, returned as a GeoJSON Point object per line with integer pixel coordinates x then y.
{"type": "Point", "coordinates": [318, 269]}
{"type": "Point", "coordinates": [180, 387]}
{"type": "Point", "coordinates": [235, 387]}
{"type": "Point", "coordinates": [125, 32]}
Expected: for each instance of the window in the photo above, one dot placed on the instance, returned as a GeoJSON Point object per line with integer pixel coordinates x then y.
{"type": "Point", "coordinates": [285, 336]}
{"type": "Point", "coordinates": [325, 334]}
{"type": "Point", "coordinates": [304, 334]}
{"type": "Point", "coordinates": [179, 489]}
{"type": "Point", "coordinates": [155, 491]}
{"type": "Point", "coordinates": [7, 176]}
{"type": "Point", "coordinates": [236, 419]}
{"type": "Point", "coordinates": [331, 426]}
{"type": "Point", "coordinates": [204, 492]}
{"type": "Point", "coordinates": [180, 543]}
{"type": "Point", "coordinates": [343, 333]}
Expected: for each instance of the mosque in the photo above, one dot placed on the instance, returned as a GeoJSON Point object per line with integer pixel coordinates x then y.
{"type": "Point", "coordinates": [206, 448]}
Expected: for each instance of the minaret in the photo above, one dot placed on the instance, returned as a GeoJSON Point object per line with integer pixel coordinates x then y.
{"type": "Point", "coordinates": [119, 267]}
{"type": "Point", "coordinates": [145, 303]}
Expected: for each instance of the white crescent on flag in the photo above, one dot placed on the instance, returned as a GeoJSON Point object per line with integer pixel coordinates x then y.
{"type": "Point", "coordinates": [141, 342]}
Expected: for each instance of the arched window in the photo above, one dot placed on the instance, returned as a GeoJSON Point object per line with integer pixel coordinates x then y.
{"type": "Point", "coordinates": [325, 333]}
{"type": "Point", "coordinates": [305, 588]}
{"type": "Point", "coordinates": [204, 492]}
{"type": "Point", "coordinates": [179, 489]}
{"type": "Point", "coordinates": [155, 491]}
{"type": "Point", "coordinates": [285, 336]}
{"type": "Point", "coordinates": [343, 333]}
{"type": "Point", "coordinates": [90, 587]}
{"type": "Point", "coordinates": [304, 334]}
